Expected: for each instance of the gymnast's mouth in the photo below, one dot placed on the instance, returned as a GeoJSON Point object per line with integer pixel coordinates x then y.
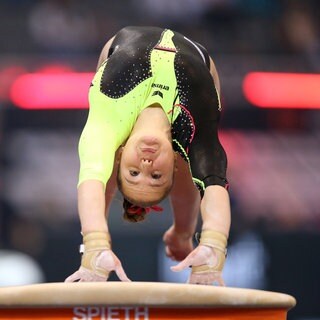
{"type": "Point", "coordinates": [148, 150]}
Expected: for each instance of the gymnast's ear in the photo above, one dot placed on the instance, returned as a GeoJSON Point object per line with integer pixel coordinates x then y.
{"type": "Point", "coordinates": [119, 154]}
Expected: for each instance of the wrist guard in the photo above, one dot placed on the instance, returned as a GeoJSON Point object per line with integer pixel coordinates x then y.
{"type": "Point", "coordinates": [93, 244]}
{"type": "Point", "coordinates": [217, 241]}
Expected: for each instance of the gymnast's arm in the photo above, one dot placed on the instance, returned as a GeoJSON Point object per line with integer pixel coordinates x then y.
{"type": "Point", "coordinates": [208, 164]}
{"type": "Point", "coordinates": [97, 151]}
{"type": "Point", "coordinates": [215, 205]}
{"type": "Point", "coordinates": [92, 196]}
{"type": "Point", "coordinates": [209, 157]}
{"type": "Point", "coordinates": [207, 260]}
{"type": "Point", "coordinates": [98, 260]}
{"type": "Point", "coordinates": [92, 192]}
{"type": "Point", "coordinates": [185, 201]}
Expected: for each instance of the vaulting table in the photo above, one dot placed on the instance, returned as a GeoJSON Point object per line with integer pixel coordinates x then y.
{"type": "Point", "coordinates": [140, 301]}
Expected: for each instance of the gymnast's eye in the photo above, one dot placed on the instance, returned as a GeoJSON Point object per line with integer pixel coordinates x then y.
{"type": "Point", "coordinates": [133, 173]}
{"type": "Point", "coordinates": [156, 176]}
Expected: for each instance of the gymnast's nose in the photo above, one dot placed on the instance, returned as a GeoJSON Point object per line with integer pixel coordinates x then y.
{"type": "Point", "coordinates": [146, 163]}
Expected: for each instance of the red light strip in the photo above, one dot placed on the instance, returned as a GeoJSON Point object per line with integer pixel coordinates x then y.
{"type": "Point", "coordinates": [282, 90]}
{"type": "Point", "coordinates": [69, 90]}
{"type": "Point", "coordinates": [51, 90]}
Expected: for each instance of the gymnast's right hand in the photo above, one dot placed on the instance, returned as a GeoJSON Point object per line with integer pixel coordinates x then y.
{"type": "Point", "coordinates": [98, 260]}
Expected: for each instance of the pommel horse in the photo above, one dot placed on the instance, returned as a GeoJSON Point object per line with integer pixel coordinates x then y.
{"type": "Point", "coordinates": [140, 301]}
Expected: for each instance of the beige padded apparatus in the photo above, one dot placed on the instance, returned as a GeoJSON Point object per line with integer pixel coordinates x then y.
{"type": "Point", "coordinates": [140, 301]}
{"type": "Point", "coordinates": [140, 293]}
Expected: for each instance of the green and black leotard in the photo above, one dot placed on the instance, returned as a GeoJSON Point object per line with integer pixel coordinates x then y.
{"type": "Point", "coordinates": [148, 65]}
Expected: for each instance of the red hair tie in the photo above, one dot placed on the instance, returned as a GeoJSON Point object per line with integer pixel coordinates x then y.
{"type": "Point", "coordinates": [140, 210]}
{"type": "Point", "coordinates": [154, 208]}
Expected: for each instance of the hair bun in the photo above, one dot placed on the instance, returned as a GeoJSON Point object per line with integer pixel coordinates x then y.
{"type": "Point", "coordinates": [136, 210]}
{"type": "Point", "coordinates": [133, 213]}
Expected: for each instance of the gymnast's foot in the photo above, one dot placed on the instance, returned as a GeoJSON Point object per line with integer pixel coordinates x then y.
{"type": "Point", "coordinates": [178, 245]}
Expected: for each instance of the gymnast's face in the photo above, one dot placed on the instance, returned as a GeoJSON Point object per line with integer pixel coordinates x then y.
{"type": "Point", "coordinates": [146, 167]}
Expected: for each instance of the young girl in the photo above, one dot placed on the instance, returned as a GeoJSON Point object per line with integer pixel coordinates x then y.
{"type": "Point", "coordinates": [152, 129]}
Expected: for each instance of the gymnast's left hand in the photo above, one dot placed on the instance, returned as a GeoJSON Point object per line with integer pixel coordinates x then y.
{"type": "Point", "coordinates": [204, 261]}
{"type": "Point", "coordinates": [177, 245]}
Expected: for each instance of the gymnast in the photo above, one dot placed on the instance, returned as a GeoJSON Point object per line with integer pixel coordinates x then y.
{"type": "Point", "coordinates": [152, 132]}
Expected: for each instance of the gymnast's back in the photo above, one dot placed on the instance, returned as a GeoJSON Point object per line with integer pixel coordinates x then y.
{"type": "Point", "coordinates": [187, 83]}
{"type": "Point", "coordinates": [135, 39]}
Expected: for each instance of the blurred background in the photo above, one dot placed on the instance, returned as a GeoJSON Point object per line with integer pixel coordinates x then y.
{"type": "Point", "coordinates": [268, 57]}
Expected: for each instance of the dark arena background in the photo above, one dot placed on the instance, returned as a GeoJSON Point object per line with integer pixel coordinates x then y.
{"type": "Point", "coordinates": [268, 57]}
